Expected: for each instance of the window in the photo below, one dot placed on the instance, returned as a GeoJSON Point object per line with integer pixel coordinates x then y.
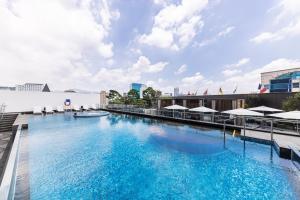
{"type": "Point", "coordinates": [296, 85]}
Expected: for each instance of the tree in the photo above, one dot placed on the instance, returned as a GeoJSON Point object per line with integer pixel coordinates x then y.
{"type": "Point", "coordinates": [114, 97]}
{"type": "Point", "coordinates": [149, 96]}
{"type": "Point", "coordinates": [132, 95]}
{"type": "Point", "coordinates": [292, 103]}
{"type": "Point", "coordinates": [254, 101]}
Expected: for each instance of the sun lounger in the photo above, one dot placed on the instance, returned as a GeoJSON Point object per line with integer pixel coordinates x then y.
{"type": "Point", "coordinates": [59, 109]}
{"type": "Point", "coordinates": [76, 108]}
{"type": "Point", "coordinates": [48, 109]}
{"type": "Point", "coordinates": [37, 110]}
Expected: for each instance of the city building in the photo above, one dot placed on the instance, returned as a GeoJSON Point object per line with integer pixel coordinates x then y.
{"type": "Point", "coordinates": [282, 80]}
{"type": "Point", "coordinates": [139, 87]}
{"type": "Point", "coordinates": [33, 87]}
{"type": "Point", "coordinates": [176, 91]}
{"type": "Point", "coordinates": [7, 88]}
{"type": "Point", "coordinates": [103, 98]}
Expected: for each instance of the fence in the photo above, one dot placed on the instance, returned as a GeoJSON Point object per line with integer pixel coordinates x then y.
{"type": "Point", "coordinates": [266, 124]}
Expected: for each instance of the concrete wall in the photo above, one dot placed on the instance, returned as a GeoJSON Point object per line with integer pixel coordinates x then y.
{"type": "Point", "coordinates": [22, 101]}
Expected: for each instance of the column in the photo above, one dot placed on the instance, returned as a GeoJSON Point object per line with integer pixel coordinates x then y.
{"type": "Point", "coordinates": [173, 101]}
{"type": "Point", "coordinates": [184, 103]}
{"type": "Point", "coordinates": [158, 104]}
{"type": "Point", "coordinates": [200, 102]}
{"type": "Point", "coordinates": [213, 104]}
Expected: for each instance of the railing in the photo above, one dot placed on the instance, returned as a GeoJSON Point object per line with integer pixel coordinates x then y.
{"type": "Point", "coordinates": [2, 110]}
{"type": "Point", "coordinates": [265, 124]}
{"type": "Point", "coordinates": [7, 187]}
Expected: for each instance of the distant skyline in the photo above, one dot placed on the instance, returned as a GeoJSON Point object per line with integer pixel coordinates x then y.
{"type": "Point", "coordinates": [191, 44]}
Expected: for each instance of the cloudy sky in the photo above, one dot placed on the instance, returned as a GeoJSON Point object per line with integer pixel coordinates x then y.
{"type": "Point", "coordinates": [107, 44]}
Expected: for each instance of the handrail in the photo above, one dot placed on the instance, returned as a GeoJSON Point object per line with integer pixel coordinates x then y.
{"type": "Point", "coordinates": [2, 110]}
{"type": "Point", "coordinates": [7, 187]}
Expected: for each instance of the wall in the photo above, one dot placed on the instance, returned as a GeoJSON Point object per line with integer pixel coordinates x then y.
{"type": "Point", "coordinates": [22, 101]}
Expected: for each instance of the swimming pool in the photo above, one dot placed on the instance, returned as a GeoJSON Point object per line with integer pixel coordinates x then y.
{"type": "Point", "coordinates": [127, 157]}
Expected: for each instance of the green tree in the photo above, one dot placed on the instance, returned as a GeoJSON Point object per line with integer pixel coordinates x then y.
{"type": "Point", "coordinates": [292, 103]}
{"type": "Point", "coordinates": [132, 95]}
{"type": "Point", "coordinates": [114, 97]}
{"type": "Point", "coordinates": [149, 96]}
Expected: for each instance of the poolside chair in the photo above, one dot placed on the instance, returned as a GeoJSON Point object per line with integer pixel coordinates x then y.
{"type": "Point", "coordinates": [76, 108]}
{"type": "Point", "coordinates": [48, 110]}
{"type": "Point", "coordinates": [85, 107]}
{"type": "Point", "coordinates": [37, 110]}
{"type": "Point", "coordinates": [93, 107]}
{"type": "Point", "coordinates": [59, 109]}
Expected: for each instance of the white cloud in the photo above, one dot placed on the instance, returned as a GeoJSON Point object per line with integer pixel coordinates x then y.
{"type": "Point", "coordinates": [46, 41]}
{"type": "Point", "coordinates": [161, 2]}
{"type": "Point", "coordinates": [214, 39]}
{"type": "Point", "coordinates": [240, 63]}
{"type": "Point", "coordinates": [176, 25]}
{"type": "Point", "coordinates": [231, 72]}
{"type": "Point", "coordinates": [144, 65]}
{"type": "Point", "coordinates": [289, 16]}
{"type": "Point", "coordinates": [192, 80]}
{"type": "Point", "coordinates": [181, 69]}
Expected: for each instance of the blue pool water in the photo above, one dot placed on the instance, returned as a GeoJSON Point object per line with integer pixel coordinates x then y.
{"type": "Point", "coordinates": [126, 157]}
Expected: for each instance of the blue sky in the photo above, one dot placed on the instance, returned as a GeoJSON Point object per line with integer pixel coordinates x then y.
{"type": "Point", "coordinates": [193, 44]}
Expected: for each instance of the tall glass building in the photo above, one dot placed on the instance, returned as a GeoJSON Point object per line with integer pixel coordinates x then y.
{"type": "Point", "coordinates": [139, 87]}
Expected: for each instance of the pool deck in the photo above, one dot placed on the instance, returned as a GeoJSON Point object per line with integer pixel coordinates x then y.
{"type": "Point", "coordinates": [283, 144]}
{"type": "Point", "coordinates": [7, 139]}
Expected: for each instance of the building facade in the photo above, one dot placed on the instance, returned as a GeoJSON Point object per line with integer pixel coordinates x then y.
{"type": "Point", "coordinates": [227, 101]}
{"type": "Point", "coordinates": [139, 87]}
{"type": "Point", "coordinates": [281, 81]}
{"type": "Point", "coordinates": [176, 91]}
{"type": "Point", "coordinates": [103, 98]}
{"type": "Point", "coordinates": [33, 87]}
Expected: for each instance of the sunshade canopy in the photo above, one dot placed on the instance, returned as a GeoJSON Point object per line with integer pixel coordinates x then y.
{"type": "Point", "coordinates": [287, 115]}
{"type": "Point", "coordinates": [242, 112]}
{"type": "Point", "coordinates": [176, 107]}
{"type": "Point", "coordinates": [264, 109]}
{"type": "Point", "coordinates": [203, 109]}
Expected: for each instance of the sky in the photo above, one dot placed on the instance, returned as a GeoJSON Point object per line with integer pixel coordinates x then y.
{"type": "Point", "coordinates": [107, 44]}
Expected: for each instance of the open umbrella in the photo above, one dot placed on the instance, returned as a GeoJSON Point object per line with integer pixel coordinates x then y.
{"type": "Point", "coordinates": [264, 109]}
{"type": "Point", "coordinates": [175, 107]}
{"type": "Point", "coordinates": [295, 115]}
{"type": "Point", "coordinates": [203, 109]}
{"type": "Point", "coordinates": [242, 112]}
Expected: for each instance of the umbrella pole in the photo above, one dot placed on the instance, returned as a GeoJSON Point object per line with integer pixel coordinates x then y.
{"type": "Point", "coordinates": [272, 132]}
{"type": "Point", "coordinates": [224, 127]}
{"type": "Point", "coordinates": [297, 126]}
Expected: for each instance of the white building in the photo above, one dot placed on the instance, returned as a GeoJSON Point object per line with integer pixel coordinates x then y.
{"type": "Point", "coordinates": [33, 87]}
{"type": "Point", "coordinates": [176, 91]}
{"type": "Point", "coordinates": [103, 99]}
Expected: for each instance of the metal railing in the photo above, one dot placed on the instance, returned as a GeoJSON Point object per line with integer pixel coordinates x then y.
{"type": "Point", "coordinates": [2, 110]}
{"type": "Point", "coordinates": [265, 124]}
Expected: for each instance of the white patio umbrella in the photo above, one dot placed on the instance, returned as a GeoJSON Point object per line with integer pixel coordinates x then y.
{"type": "Point", "coordinates": [287, 115]}
{"type": "Point", "coordinates": [176, 107]}
{"type": "Point", "coordinates": [203, 109]}
{"type": "Point", "coordinates": [295, 115]}
{"type": "Point", "coordinates": [242, 112]}
{"type": "Point", "coordinates": [264, 109]}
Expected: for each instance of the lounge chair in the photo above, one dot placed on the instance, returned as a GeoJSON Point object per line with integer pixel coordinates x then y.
{"type": "Point", "coordinates": [93, 107]}
{"type": "Point", "coordinates": [37, 110]}
{"type": "Point", "coordinates": [48, 110]}
{"type": "Point", "coordinates": [85, 107]}
{"type": "Point", "coordinates": [76, 108]}
{"type": "Point", "coordinates": [59, 109]}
